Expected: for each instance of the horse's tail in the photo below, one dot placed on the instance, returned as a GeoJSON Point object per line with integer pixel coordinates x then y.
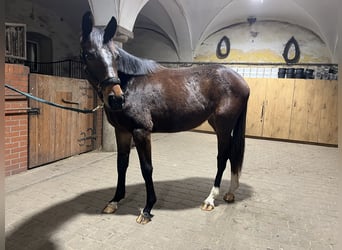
{"type": "Point", "coordinates": [238, 142]}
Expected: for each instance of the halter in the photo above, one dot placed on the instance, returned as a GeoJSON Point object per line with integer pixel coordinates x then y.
{"type": "Point", "coordinates": [118, 99]}
{"type": "Point", "coordinates": [110, 81]}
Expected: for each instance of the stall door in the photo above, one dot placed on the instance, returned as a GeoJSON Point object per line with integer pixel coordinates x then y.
{"type": "Point", "coordinates": [56, 133]}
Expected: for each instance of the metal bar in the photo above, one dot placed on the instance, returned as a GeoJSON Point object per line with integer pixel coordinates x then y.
{"type": "Point", "coordinates": [70, 102]}
{"type": "Point", "coordinates": [19, 111]}
{"type": "Point", "coordinates": [73, 68]}
{"type": "Point", "coordinates": [84, 111]}
{"type": "Point", "coordinates": [16, 109]}
{"type": "Point", "coordinates": [251, 64]}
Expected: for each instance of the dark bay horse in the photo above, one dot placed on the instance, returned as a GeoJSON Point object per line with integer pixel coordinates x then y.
{"type": "Point", "coordinates": [141, 97]}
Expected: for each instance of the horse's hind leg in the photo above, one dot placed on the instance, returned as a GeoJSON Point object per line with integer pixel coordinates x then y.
{"type": "Point", "coordinates": [236, 155]}
{"type": "Point", "coordinates": [123, 141]}
{"type": "Point", "coordinates": [223, 140]}
{"type": "Point", "coordinates": [234, 184]}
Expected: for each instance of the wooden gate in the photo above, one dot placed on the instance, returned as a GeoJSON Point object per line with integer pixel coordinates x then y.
{"type": "Point", "coordinates": [55, 133]}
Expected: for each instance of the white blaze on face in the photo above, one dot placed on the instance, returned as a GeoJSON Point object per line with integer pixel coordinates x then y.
{"type": "Point", "coordinates": [107, 59]}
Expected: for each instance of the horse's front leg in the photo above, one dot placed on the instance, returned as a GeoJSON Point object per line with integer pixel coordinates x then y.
{"type": "Point", "coordinates": [123, 141]}
{"type": "Point", "coordinates": [142, 139]}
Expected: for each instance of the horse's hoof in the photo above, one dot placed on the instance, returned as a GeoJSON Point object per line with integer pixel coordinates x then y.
{"type": "Point", "coordinates": [229, 197]}
{"type": "Point", "coordinates": [207, 207]}
{"type": "Point", "coordinates": [144, 218]}
{"type": "Point", "coordinates": [110, 208]}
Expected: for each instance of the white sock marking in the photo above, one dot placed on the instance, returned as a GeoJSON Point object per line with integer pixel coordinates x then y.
{"type": "Point", "coordinates": [215, 191]}
{"type": "Point", "coordinates": [234, 182]}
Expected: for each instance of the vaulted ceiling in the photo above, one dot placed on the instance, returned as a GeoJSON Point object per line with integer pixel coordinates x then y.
{"type": "Point", "coordinates": [186, 23]}
{"type": "Point", "coordinates": [189, 22]}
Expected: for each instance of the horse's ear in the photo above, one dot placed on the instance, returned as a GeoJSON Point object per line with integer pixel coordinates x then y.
{"type": "Point", "coordinates": [87, 25]}
{"type": "Point", "coordinates": [110, 30]}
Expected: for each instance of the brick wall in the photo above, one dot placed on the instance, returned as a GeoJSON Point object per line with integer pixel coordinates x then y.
{"type": "Point", "coordinates": [16, 120]}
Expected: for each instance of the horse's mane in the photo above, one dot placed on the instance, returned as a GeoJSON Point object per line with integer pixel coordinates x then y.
{"type": "Point", "coordinates": [132, 65]}
{"type": "Point", "coordinates": [127, 63]}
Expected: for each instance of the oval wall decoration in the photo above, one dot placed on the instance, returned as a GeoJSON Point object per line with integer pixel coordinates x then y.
{"type": "Point", "coordinates": [291, 42]}
{"type": "Point", "coordinates": [223, 48]}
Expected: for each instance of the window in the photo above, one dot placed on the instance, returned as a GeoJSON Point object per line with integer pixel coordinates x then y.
{"type": "Point", "coordinates": [32, 55]}
{"type": "Point", "coordinates": [15, 40]}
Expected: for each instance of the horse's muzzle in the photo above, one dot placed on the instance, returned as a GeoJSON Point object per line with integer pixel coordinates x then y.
{"type": "Point", "coordinates": [115, 95]}
{"type": "Point", "coordinates": [116, 102]}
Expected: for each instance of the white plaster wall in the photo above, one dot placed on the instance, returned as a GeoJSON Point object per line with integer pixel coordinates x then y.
{"type": "Point", "coordinates": [267, 46]}
{"type": "Point", "coordinates": [65, 42]}
{"type": "Point", "coordinates": [151, 45]}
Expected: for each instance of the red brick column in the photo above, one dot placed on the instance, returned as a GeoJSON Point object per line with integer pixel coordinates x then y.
{"type": "Point", "coordinates": [16, 120]}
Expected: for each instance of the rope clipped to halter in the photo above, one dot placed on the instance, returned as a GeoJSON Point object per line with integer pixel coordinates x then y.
{"type": "Point", "coordinates": [84, 111]}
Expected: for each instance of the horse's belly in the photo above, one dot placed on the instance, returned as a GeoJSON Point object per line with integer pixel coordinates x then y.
{"type": "Point", "coordinates": [177, 124]}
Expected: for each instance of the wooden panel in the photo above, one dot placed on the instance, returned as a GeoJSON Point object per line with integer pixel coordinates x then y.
{"type": "Point", "coordinates": [328, 124]}
{"type": "Point", "coordinates": [255, 111]}
{"type": "Point", "coordinates": [33, 126]}
{"type": "Point", "coordinates": [63, 126]}
{"type": "Point", "coordinates": [305, 117]}
{"type": "Point", "coordinates": [295, 109]}
{"type": "Point", "coordinates": [46, 122]}
{"type": "Point", "coordinates": [67, 123]}
{"type": "Point", "coordinates": [54, 133]}
{"type": "Point", "coordinates": [86, 98]}
{"type": "Point", "coordinates": [278, 106]}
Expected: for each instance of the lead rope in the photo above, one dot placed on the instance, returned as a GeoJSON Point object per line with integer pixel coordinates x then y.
{"type": "Point", "coordinates": [84, 111]}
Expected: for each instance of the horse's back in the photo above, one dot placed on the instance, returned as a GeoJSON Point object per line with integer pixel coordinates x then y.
{"type": "Point", "coordinates": [215, 76]}
{"type": "Point", "coordinates": [222, 82]}
{"type": "Point", "coordinates": [172, 100]}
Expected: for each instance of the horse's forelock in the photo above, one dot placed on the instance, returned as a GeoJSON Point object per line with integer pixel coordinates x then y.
{"type": "Point", "coordinates": [96, 36]}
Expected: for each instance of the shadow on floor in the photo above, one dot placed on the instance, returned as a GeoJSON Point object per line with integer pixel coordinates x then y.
{"type": "Point", "coordinates": [37, 232]}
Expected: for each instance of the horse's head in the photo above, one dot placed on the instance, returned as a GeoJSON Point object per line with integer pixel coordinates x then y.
{"type": "Point", "coordinates": [99, 55]}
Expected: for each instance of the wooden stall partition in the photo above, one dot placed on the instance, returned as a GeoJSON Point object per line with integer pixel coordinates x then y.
{"type": "Point", "coordinates": [256, 106]}
{"type": "Point", "coordinates": [328, 123]}
{"type": "Point", "coordinates": [306, 105]}
{"type": "Point", "coordinates": [278, 106]}
{"type": "Point", "coordinates": [291, 109]}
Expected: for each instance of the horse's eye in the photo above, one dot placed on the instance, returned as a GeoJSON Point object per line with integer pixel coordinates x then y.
{"type": "Point", "coordinates": [88, 56]}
